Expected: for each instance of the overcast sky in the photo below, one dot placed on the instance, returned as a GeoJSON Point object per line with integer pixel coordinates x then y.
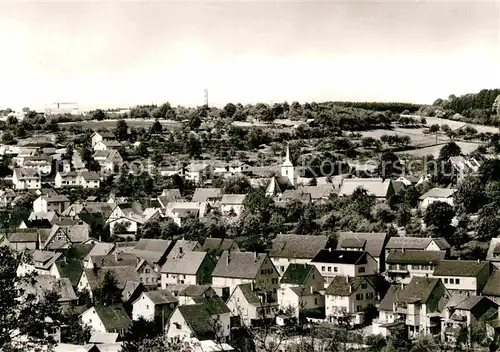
{"type": "Point", "coordinates": [120, 54]}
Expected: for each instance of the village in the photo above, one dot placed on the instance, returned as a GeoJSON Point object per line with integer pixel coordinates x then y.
{"type": "Point", "coordinates": [249, 254]}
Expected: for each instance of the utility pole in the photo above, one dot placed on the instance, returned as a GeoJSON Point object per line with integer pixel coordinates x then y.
{"type": "Point", "coordinates": [206, 97]}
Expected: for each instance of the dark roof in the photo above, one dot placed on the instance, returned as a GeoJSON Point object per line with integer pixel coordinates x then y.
{"type": "Point", "coordinates": [492, 287]}
{"type": "Point", "coordinates": [204, 194]}
{"type": "Point", "coordinates": [123, 274]}
{"type": "Point", "coordinates": [418, 290]}
{"type": "Point", "coordinates": [468, 268]}
{"type": "Point", "coordinates": [71, 269]}
{"type": "Point", "coordinates": [340, 257]}
{"type": "Point", "coordinates": [249, 294]}
{"type": "Point", "coordinates": [215, 246]}
{"type": "Point", "coordinates": [415, 243]}
{"type": "Point", "coordinates": [27, 235]}
{"type": "Point", "coordinates": [242, 265]}
{"type": "Point", "coordinates": [161, 296]}
{"type": "Point", "coordinates": [214, 304]}
{"type": "Point", "coordinates": [373, 241]}
{"type": "Point", "coordinates": [115, 259]}
{"type": "Point", "coordinates": [199, 316]}
{"type": "Point", "coordinates": [390, 298]}
{"type": "Point", "coordinates": [345, 286]}
{"type": "Point", "coordinates": [113, 317]}
{"type": "Point", "coordinates": [297, 246]}
{"type": "Point", "coordinates": [152, 250]}
{"type": "Point", "coordinates": [415, 257]}
{"type": "Point", "coordinates": [296, 274]}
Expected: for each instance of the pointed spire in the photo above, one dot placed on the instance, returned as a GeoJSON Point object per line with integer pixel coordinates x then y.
{"type": "Point", "coordinates": [287, 161]}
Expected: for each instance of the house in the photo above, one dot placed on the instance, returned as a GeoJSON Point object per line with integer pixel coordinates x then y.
{"type": "Point", "coordinates": [98, 248]}
{"type": "Point", "coordinates": [183, 245]}
{"type": "Point", "coordinates": [377, 187]}
{"type": "Point", "coordinates": [181, 211]}
{"type": "Point", "coordinates": [69, 268]}
{"type": "Point", "coordinates": [492, 287]}
{"type": "Point", "coordinates": [155, 305]}
{"type": "Point", "coordinates": [42, 219]}
{"type": "Point", "coordinates": [463, 276]}
{"type": "Point", "coordinates": [235, 268]}
{"type": "Point", "coordinates": [40, 262]}
{"type": "Point", "coordinates": [20, 240]}
{"type": "Point", "coordinates": [89, 179]}
{"type": "Point", "coordinates": [464, 166]}
{"type": "Point", "coordinates": [300, 249]}
{"type": "Point", "coordinates": [128, 281]}
{"type": "Point", "coordinates": [251, 305]}
{"type": "Point", "coordinates": [407, 180]}
{"type": "Point", "coordinates": [108, 319]}
{"type": "Point", "coordinates": [41, 285]}
{"type": "Point", "coordinates": [84, 179]}
{"type": "Point", "coordinates": [417, 244]}
{"type": "Point", "coordinates": [7, 195]}
{"type": "Point", "coordinates": [493, 253]}
{"type": "Point", "coordinates": [148, 274]}
{"type": "Point", "coordinates": [348, 298]}
{"type": "Point", "coordinates": [444, 195]}
{"type": "Point", "coordinates": [101, 136]}
{"type": "Point", "coordinates": [208, 320]}
{"type": "Point", "coordinates": [402, 266]}
{"type": "Point", "coordinates": [114, 259]}
{"type": "Point", "coordinates": [109, 161]}
{"type": "Point", "coordinates": [215, 246]}
{"type": "Point", "coordinates": [421, 304]}
{"type": "Point", "coordinates": [388, 320]}
{"type": "Point", "coordinates": [169, 195]}
{"type": "Point", "coordinates": [190, 294]}
{"type": "Point", "coordinates": [127, 218]}
{"type": "Point", "coordinates": [198, 172]}
{"type": "Point", "coordinates": [232, 204]}
{"type": "Point", "coordinates": [107, 145]}
{"type": "Point", "coordinates": [320, 192]}
{"type": "Point", "coordinates": [331, 263]}
{"type": "Point", "coordinates": [23, 178]}
{"type": "Point", "coordinates": [171, 170]}
{"type": "Point", "coordinates": [41, 163]}
{"type": "Point", "coordinates": [300, 288]}
{"type": "Point", "coordinates": [466, 312]}
{"type": "Point", "coordinates": [193, 268]}
{"type": "Point", "coordinates": [371, 242]}
{"type": "Point", "coordinates": [209, 195]}
{"type": "Point", "coordinates": [153, 251]}
{"type": "Point", "coordinates": [51, 203]}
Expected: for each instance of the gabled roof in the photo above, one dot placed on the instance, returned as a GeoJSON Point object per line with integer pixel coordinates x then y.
{"type": "Point", "coordinates": [216, 246]}
{"type": "Point", "coordinates": [494, 248]}
{"type": "Point", "coordinates": [415, 257]}
{"type": "Point", "coordinates": [297, 246]}
{"type": "Point", "coordinates": [204, 194]}
{"type": "Point", "coordinates": [249, 294]}
{"type": "Point", "coordinates": [472, 301]}
{"type": "Point", "coordinates": [391, 297]}
{"type": "Point", "coordinates": [71, 269]}
{"type": "Point", "coordinates": [345, 286]}
{"type": "Point", "coordinates": [492, 287]}
{"type": "Point", "coordinates": [161, 296]}
{"type": "Point", "coordinates": [40, 285]}
{"type": "Point", "coordinates": [26, 173]}
{"type": "Point", "coordinates": [186, 263]}
{"type": "Point", "coordinates": [44, 259]}
{"type": "Point", "coordinates": [89, 175]}
{"type": "Point", "coordinates": [439, 193]}
{"type": "Point", "coordinates": [100, 248]}
{"type": "Point", "coordinates": [113, 317]}
{"type": "Point", "coordinates": [111, 143]}
{"type": "Point", "coordinates": [233, 199]}
{"type": "Point", "coordinates": [318, 192]}
{"type": "Point", "coordinates": [241, 265]}
{"type": "Point", "coordinates": [418, 290]}
{"type": "Point", "coordinates": [340, 257]}
{"type": "Point", "coordinates": [297, 274]}
{"type": "Point", "coordinates": [152, 250]}
{"type": "Point", "coordinates": [22, 236]}
{"type": "Point", "coordinates": [464, 268]}
{"type": "Point", "coordinates": [116, 259]}
{"type": "Point", "coordinates": [54, 198]}
{"type": "Point", "coordinates": [373, 242]}
{"type": "Point", "coordinates": [374, 186]}
{"type": "Point", "coordinates": [123, 275]}
{"type": "Point", "coordinates": [415, 243]}
{"type": "Point", "coordinates": [182, 245]}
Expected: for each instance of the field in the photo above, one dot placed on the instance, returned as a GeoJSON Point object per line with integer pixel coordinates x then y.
{"type": "Point", "coordinates": [466, 148]}
{"type": "Point", "coordinates": [417, 136]}
{"type": "Point", "coordinates": [111, 124]}
{"type": "Point", "coordinates": [455, 125]}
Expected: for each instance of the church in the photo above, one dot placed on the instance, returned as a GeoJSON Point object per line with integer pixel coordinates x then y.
{"type": "Point", "coordinates": [288, 179]}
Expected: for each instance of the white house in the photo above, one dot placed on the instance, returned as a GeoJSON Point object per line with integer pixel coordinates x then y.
{"type": "Point", "coordinates": [198, 172]}
{"type": "Point", "coordinates": [371, 242]}
{"type": "Point", "coordinates": [51, 203]}
{"type": "Point", "coordinates": [109, 160]}
{"type": "Point", "coordinates": [194, 268]}
{"type": "Point", "coordinates": [417, 244]}
{"type": "Point", "coordinates": [232, 204]}
{"type": "Point", "coordinates": [23, 178]}
{"type": "Point", "coordinates": [348, 298]}
{"type": "Point", "coordinates": [107, 145]}
{"type": "Point", "coordinates": [84, 179]}
{"type": "Point", "coordinates": [444, 195]}
{"type": "Point", "coordinates": [101, 136]}
{"type": "Point", "coordinates": [387, 320]}
{"type": "Point", "coordinates": [402, 266]}
{"type": "Point", "coordinates": [207, 320]}
{"type": "Point", "coordinates": [236, 268]}
{"type": "Point", "coordinates": [154, 305]}
{"type": "Point", "coordinates": [299, 249]}
{"type": "Point", "coordinates": [331, 263]}
{"type": "Point", "coordinates": [107, 319]}
{"type": "Point", "coordinates": [463, 276]}
{"type": "Point", "coordinates": [41, 262]}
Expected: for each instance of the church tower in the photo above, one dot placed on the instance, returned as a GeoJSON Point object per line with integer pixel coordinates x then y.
{"type": "Point", "coordinates": [287, 168]}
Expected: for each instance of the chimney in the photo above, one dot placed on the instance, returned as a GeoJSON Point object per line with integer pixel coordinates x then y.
{"type": "Point", "coordinates": [252, 286]}
{"type": "Point", "coordinates": [312, 290]}
{"type": "Point", "coordinates": [479, 261]}
{"type": "Point", "coordinates": [402, 286]}
{"type": "Point", "coordinates": [180, 250]}
{"type": "Point", "coordinates": [116, 256]}
{"type": "Point", "coordinates": [347, 279]}
{"type": "Point", "coordinates": [350, 288]}
{"type": "Point", "coordinates": [228, 258]}
{"type": "Point", "coordinates": [255, 256]}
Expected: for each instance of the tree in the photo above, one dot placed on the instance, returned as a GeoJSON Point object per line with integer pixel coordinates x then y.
{"type": "Point", "coordinates": [438, 216]}
{"type": "Point", "coordinates": [470, 195]}
{"type": "Point", "coordinates": [389, 165]}
{"type": "Point", "coordinates": [193, 146]}
{"type": "Point", "coordinates": [236, 185]}
{"type": "Point", "coordinates": [108, 292]}
{"type": "Point", "coordinates": [489, 171]}
{"type": "Point", "coordinates": [121, 130]}
{"type": "Point", "coordinates": [229, 110]}
{"type": "Point", "coordinates": [7, 137]}
{"type": "Point", "coordinates": [142, 149]}
{"type": "Point", "coordinates": [75, 332]}
{"type": "Point", "coordinates": [448, 150]}
{"type": "Point", "coordinates": [264, 113]}
{"type": "Point", "coordinates": [99, 115]}
{"type": "Point", "coordinates": [194, 122]}
{"type": "Point", "coordinates": [488, 223]}
{"type": "Point", "coordinates": [140, 331]}
{"type": "Point", "coordinates": [156, 127]}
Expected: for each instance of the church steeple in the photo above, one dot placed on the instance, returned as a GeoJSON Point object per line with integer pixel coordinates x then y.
{"type": "Point", "coordinates": [287, 169]}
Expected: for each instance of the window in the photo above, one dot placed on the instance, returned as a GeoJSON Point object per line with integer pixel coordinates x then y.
{"type": "Point", "coordinates": [316, 301]}
{"type": "Point", "coordinates": [457, 281]}
{"type": "Point", "coordinates": [147, 306]}
{"type": "Point", "coordinates": [147, 280]}
{"type": "Point", "coordinates": [335, 269]}
{"type": "Point", "coordinates": [361, 269]}
{"type": "Point", "coordinates": [313, 277]}
{"type": "Point", "coordinates": [329, 269]}
{"type": "Point", "coordinates": [363, 286]}
{"type": "Point", "coordinates": [452, 281]}
{"type": "Point", "coordinates": [147, 271]}
{"type": "Point", "coordinates": [359, 297]}
{"type": "Point", "coordinates": [262, 271]}
{"type": "Point", "coordinates": [369, 295]}
{"type": "Point", "coordinates": [282, 268]}
{"type": "Point", "coordinates": [445, 281]}
{"type": "Point", "coordinates": [322, 268]}
{"type": "Point", "coordinates": [359, 308]}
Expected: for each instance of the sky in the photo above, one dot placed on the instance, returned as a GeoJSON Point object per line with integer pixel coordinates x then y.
{"type": "Point", "coordinates": [112, 53]}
